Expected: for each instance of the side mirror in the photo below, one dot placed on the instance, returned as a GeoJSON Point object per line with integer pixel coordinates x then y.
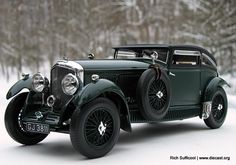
{"type": "Point", "coordinates": [91, 56]}
{"type": "Point", "coordinates": [154, 56]}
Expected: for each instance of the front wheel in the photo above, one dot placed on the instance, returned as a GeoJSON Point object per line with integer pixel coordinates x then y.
{"type": "Point", "coordinates": [218, 109]}
{"type": "Point", "coordinates": [95, 128]}
{"type": "Point", "coordinates": [13, 124]}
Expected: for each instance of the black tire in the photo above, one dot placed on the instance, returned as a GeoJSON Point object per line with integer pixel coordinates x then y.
{"type": "Point", "coordinates": [218, 110]}
{"type": "Point", "coordinates": [12, 123]}
{"type": "Point", "coordinates": [153, 95]}
{"type": "Point", "coordinates": [85, 123]}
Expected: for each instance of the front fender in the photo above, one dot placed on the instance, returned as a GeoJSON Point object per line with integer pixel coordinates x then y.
{"type": "Point", "coordinates": [111, 91]}
{"type": "Point", "coordinates": [212, 87]}
{"type": "Point", "coordinates": [94, 89]}
{"type": "Point", "coordinates": [18, 86]}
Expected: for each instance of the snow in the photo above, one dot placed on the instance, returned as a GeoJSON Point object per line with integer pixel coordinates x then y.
{"type": "Point", "coordinates": [147, 144]}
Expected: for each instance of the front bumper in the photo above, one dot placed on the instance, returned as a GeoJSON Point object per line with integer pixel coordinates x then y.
{"type": "Point", "coordinates": [42, 117]}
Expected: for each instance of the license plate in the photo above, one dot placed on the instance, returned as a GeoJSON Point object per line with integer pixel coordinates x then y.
{"type": "Point", "coordinates": [37, 128]}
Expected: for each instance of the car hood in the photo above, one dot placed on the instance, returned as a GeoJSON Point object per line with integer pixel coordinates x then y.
{"type": "Point", "coordinates": [113, 64]}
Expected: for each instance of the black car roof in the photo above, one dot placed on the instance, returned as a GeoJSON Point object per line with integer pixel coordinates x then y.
{"type": "Point", "coordinates": [170, 46]}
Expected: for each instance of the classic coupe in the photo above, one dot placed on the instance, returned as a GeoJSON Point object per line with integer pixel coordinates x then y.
{"type": "Point", "coordinates": [93, 99]}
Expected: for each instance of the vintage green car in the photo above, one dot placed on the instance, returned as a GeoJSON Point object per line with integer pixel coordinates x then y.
{"type": "Point", "coordinates": [92, 99]}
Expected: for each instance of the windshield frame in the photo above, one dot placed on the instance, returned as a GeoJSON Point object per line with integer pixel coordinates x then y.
{"type": "Point", "coordinates": [143, 57]}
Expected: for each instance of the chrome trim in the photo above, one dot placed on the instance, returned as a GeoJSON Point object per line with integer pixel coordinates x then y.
{"type": "Point", "coordinates": [73, 65]}
{"type": "Point", "coordinates": [187, 53]}
{"type": "Point", "coordinates": [167, 56]}
{"type": "Point", "coordinates": [154, 56]}
{"type": "Point", "coordinates": [95, 77]}
{"type": "Point", "coordinates": [43, 83]}
{"type": "Point", "coordinates": [91, 56]}
{"type": "Point", "coordinates": [63, 84]}
{"type": "Point", "coordinates": [133, 55]}
{"type": "Point", "coordinates": [25, 76]}
{"type": "Point", "coordinates": [67, 122]}
{"type": "Point", "coordinates": [102, 128]}
{"type": "Point", "coordinates": [50, 104]}
{"type": "Point", "coordinates": [171, 74]}
{"type": "Point", "coordinates": [220, 107]}
{"type": "Point", "coordinates": [19, 120]}
{"type": "Point", "coordinates": [38, 114]}
{"type": "Point", "coordinates": [206, 110]}
{"type": "Point", "coordinates": [159, 94]}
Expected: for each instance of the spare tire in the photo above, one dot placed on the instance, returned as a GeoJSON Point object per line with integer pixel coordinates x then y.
{"type": "Point", "coordinates": [153, 94]}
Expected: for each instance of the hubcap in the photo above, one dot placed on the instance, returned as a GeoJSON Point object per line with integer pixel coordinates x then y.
{"type": "Point", "coordinates": [157, 94]}
{"type": "Point", "coordinates": [98, 127]}
{"type": "Point", "coordinates": [102, 128]}
{"type": "Point", "coordinates": [218, 108]}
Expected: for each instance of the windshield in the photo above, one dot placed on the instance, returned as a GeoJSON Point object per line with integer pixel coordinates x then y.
{"type": "Point", "coordinates": [160, 55]}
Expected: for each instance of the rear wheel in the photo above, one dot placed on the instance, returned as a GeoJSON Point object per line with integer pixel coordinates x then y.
{"type": "Point", "coordinates": [218, 110]}
{"type": "Point", "coordinates": [13, 125]}
{"type": "Point", "coordinates": [95, 128]}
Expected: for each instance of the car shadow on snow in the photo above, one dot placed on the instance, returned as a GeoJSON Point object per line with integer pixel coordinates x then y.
{"type": "Point", "coordinates": [155, 131]}
{"type": "Point", "coordinates": [52, 148]}
{"type": "Point", "coordinates": [141, 133]}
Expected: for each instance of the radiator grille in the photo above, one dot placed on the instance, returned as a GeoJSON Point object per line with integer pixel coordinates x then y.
{"type": "Point", "coordinates": [57, 74]}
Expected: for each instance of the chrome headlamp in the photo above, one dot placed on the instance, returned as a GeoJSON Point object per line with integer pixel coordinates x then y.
{"type": "Point", "coordinates": [38, 82]}
{"type": "Point", "coordinates": [70, 84]}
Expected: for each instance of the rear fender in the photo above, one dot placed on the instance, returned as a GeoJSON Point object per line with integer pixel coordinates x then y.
{"type": "Point", "coordinates": [212, 87]}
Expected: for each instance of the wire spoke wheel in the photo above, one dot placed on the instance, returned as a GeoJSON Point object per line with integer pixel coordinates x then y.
{"type": "Point", "coordinates": [95, 129]}
{"type": "Point", "coordinates": [218, 108]}
{"type": "Point", "coordinates": [98, 127]}
{"type": "Point", "coordinates": [153, 95]}
{"type": "Point", "coordinates": [157, 94]}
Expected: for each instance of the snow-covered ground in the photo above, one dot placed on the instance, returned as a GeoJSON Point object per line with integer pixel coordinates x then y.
{"type": "Point", "coordinates": [147, 144]}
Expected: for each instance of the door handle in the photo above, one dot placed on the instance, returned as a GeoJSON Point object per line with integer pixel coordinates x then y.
{"type": "Point", "coordinates": [171, 74]}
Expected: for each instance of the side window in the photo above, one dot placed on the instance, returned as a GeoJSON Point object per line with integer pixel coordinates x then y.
{"type": "Point", "coordinates": [185, 58]}
{"type": "Point", "coordinates": [207, 61]}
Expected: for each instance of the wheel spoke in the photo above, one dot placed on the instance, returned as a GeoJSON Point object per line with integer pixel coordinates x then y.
{"type": "Point", "coordinates": [92, 122]}
{"type": "Point", "coordinates": [99, 118]}
{"type": "Point", "coordinates": [157, 94]}
{"type": "Point", "coordinates": [218, 108]}
{"type": "Point", "coordinates": [91, 134]}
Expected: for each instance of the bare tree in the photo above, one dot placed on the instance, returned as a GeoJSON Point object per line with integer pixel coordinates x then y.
{"type": "Point", "coordinates": [35, 32]}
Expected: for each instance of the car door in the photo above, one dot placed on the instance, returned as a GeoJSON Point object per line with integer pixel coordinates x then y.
{"type": "Point", "coordinates": [184, 73]}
